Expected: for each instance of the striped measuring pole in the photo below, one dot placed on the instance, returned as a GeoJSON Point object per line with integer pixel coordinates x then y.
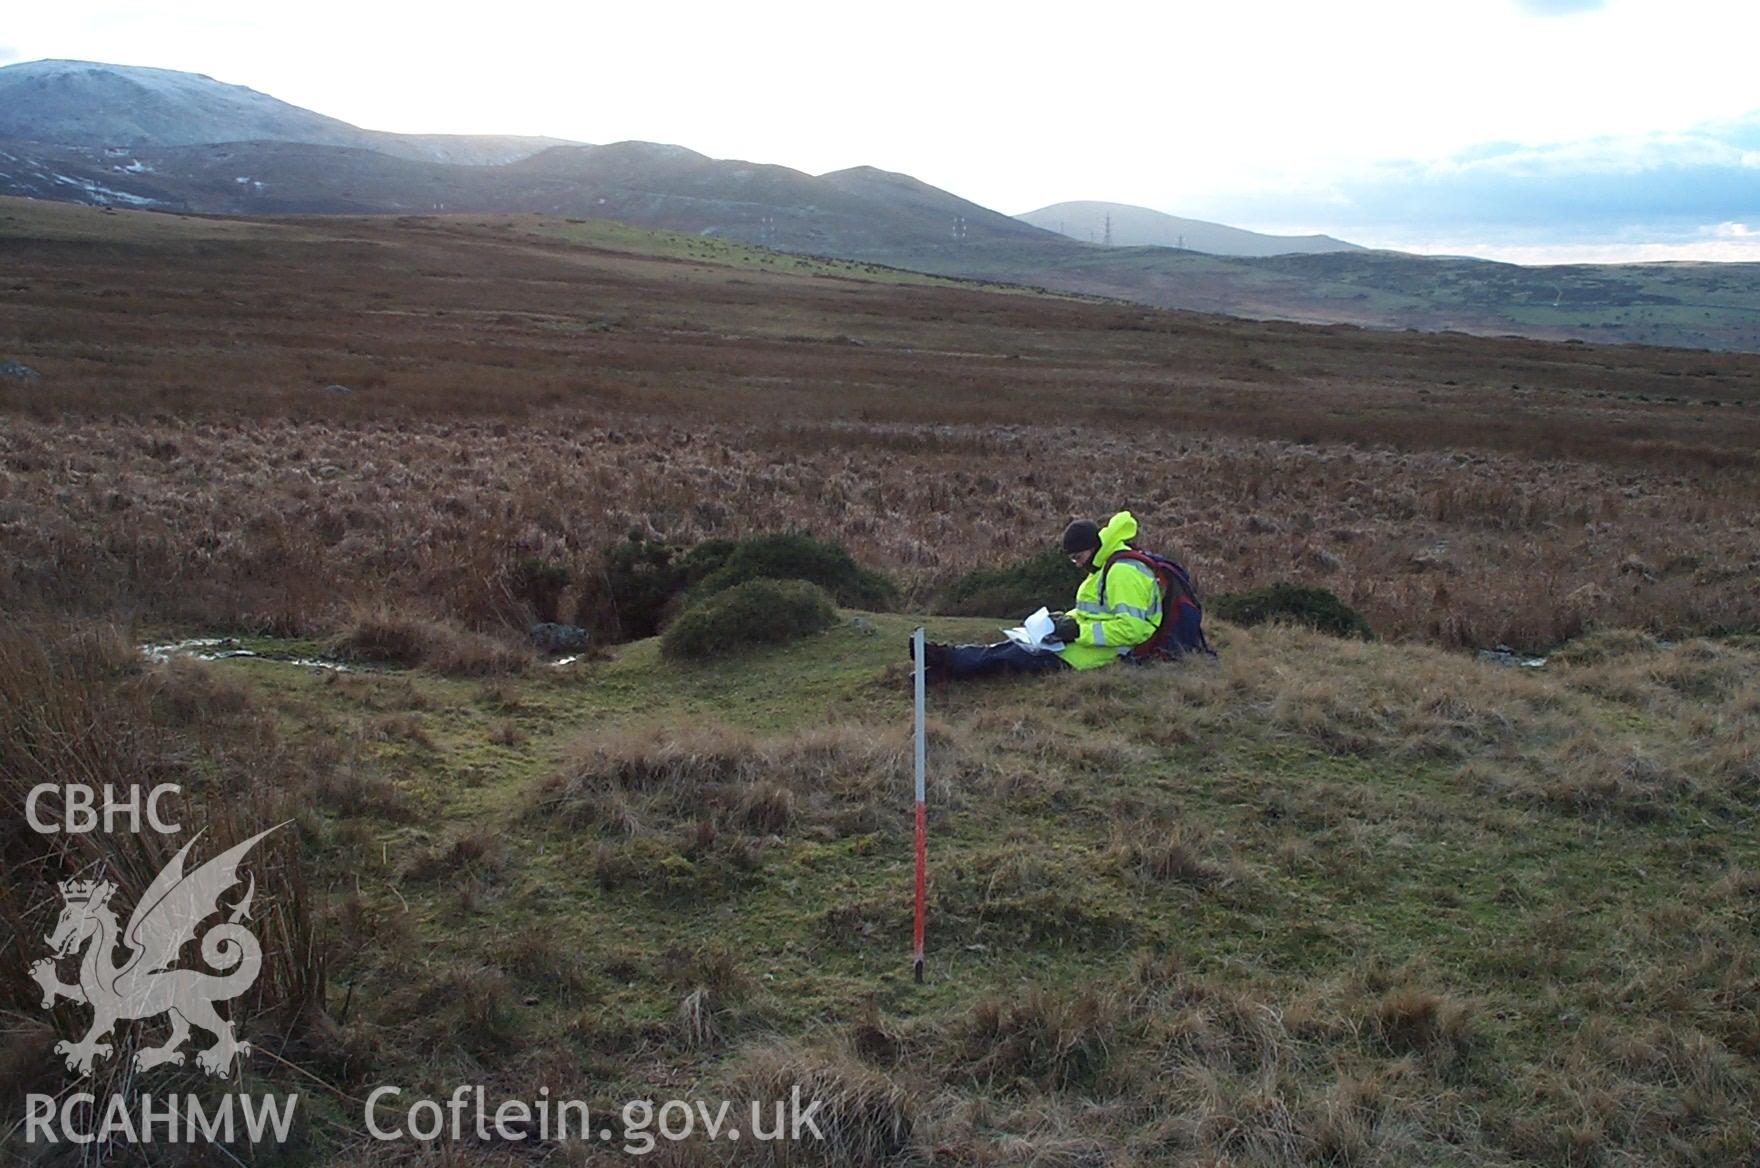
{"type": "Point", "coordinates": [922, 820]}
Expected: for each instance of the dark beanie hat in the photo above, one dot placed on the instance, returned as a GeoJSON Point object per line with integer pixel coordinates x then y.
{"type": "Point", "coordinates": [1081, 536]}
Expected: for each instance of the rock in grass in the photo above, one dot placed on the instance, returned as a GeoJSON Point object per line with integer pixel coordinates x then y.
{"type": "Point", "coordinates": [749, 616]}
{"type": "Point", "coordinates": [549, 637]}
{"type": "Point", "coordinates": [18, 371]}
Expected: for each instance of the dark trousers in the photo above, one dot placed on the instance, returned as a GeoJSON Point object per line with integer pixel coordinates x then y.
{"type": "Point", "coordinates": [1003, 657]}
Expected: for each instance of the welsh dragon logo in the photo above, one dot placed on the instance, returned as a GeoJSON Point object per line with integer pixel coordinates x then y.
{"type": "Point", "coordinates": [144, 985]}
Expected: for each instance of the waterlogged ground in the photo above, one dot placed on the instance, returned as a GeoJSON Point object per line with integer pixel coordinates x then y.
{"type": "Point", "coordinates": [1316, 902]}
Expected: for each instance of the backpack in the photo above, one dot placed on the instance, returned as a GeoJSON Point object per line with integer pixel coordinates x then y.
{"type": "Point", "coordinates": [1182, 618]}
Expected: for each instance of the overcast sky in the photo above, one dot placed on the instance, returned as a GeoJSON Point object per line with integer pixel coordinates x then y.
{"type": "Point", "coordinates": [1296, 116]}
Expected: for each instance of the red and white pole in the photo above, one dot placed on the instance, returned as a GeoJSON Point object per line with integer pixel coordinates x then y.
{"type": "Point", "coordinates": [922, 819]}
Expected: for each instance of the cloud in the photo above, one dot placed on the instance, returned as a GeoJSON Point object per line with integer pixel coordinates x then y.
{"type": "Point", "coordinates": [1611, 155]}
{"type": "Point", "coordinates": [1559, 7]}
{"type": "Point", "coordinates": [1625, 192]}
{"type": "Point", "coordinates": [7, 53]}
{"type": "Point", "coordinates": [1738, 250]}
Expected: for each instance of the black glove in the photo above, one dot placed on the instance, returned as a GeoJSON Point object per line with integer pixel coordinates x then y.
{"type": "Point", "coordinates": [1065, 628]}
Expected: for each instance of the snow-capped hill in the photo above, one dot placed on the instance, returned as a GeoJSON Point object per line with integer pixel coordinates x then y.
{"type": "Point", "coordinates": [88, 103]}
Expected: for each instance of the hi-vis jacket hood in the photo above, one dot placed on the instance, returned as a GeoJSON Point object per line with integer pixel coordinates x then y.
{"type": "Point", "coordinates": [1119, 530]}
{"type": "Point", "coordinates": [1132, 611]}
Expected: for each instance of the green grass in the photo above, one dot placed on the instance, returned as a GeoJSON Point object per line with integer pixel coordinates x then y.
{"type": "Point", "coordinates": [611, 235]}
{"type": "Point", "coordinates": [1356, 818]}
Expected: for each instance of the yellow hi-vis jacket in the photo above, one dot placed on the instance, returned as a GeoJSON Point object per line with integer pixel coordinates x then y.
{"type": "Point", "coordinates": [1133, 602]}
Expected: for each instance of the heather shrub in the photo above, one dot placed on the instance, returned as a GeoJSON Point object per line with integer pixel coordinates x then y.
{"type": "Point", "coordinates": [787, 556]}
{"type": "Point", "coordinates": [650, 581]}
{"type": "Point", "coordinates": [1301, 604]}
{"type": "Point", "coordinates": [1014, 590]}
{"type": "Point", "coordinates": [749, 615]}
{"type": "Point", "coordinates": [642, 576]}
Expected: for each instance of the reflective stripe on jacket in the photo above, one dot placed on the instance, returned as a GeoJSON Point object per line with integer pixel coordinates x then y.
{"type": "Point", "coordinates": [1132, 611]}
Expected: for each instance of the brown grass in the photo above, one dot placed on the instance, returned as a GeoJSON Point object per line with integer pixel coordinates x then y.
{"type": "Point", "coordinates": [1466, 491]}
{"type": "Point", "coordinates": [384, 635]}
{"type": "Point", "coordinates": [827, 781]}
{"type": "Point", "coordinates": [77, 706]}
{"type": "Point", "coordinates": [867, 1118]}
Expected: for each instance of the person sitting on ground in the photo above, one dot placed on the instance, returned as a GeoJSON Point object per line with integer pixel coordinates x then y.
{"type": "Point", "coordinates": [1095, 633]}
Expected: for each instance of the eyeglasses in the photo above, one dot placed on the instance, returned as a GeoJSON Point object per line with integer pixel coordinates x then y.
{"type": "Point", "coordinates": [1078, 557]}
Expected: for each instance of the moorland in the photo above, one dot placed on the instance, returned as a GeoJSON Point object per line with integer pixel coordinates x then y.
{"type": "Point", "coordinates": [1321, 901]}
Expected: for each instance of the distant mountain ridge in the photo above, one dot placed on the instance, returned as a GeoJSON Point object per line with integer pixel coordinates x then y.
{"type": "Point", "coordinates": [88, 103]}
{"type": "Point", "coordinates": [1124, 225]}
{"type": "Point", "coordinates": [132, 150]}
{"type": "Point", "coordinates": [853, 213]}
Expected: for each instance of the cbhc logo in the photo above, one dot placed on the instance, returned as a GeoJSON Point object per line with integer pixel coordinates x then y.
{"type": "Point", "coordinates": [81, 809]}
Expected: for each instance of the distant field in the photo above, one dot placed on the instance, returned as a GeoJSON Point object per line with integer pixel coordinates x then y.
{"type": "Point", "coordinates": [615, 236]}
{"type": "Point", "coordinates": [529, 388]}
{"type": "Point", "coordinates": [1710, 306]}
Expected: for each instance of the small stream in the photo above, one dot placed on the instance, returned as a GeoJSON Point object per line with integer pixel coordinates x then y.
{"type": "Point", "coordinates": [222, 648]}
{"type": "Point", "coordinates": [1505, 656]}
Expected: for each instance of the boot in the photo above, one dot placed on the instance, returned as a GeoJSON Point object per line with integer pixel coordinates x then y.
{"type": "Point", "coordinates": [935, 654]}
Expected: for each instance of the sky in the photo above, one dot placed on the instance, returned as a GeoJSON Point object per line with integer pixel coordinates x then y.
{"type": "Point", "coordinates": [1535, 130]}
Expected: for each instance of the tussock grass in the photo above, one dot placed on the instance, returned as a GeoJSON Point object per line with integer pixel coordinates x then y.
{"type": "Point", "coordinates": [384, 635]}
{"type": "Point", "coordinates": [458, 1010]}
{"type": "Point", "coordinates": [823, 781]}
{"type": "Point", "coordinates": [867, 1118]}
{"type": "Point", "coordinates": [1162, 854]}
{"type": "Point", "coordinates": [243, 532]}
{"type": "Point", "coordinates": [1052, 1041]}
{"type": "Point", "coordinates": [478, 852]}
{"type": "Point", "coordinates": [78, 706]}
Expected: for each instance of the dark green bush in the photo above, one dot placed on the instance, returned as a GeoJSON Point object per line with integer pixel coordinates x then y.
{"type": "Point", "coordinates": [787, 556]}
{"type": "Point", "coordinates": [1301, 604]}
{"type": "Point", "coordinates": [540, 583]}
{"type": "Point", "coordinates": [641, 576]}
{"type": "Point", "coordinates": [1047, 579]}
{"type": "Point", "coordinates": [747, 616]}
{"type": "Point", "coordinates": [706, 557]}
{"type": "Point", "coordinates": [647, 581]}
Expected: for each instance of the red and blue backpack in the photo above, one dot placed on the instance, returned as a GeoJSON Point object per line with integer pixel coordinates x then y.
{"type": "Point", "coordinates": [1181, 630]}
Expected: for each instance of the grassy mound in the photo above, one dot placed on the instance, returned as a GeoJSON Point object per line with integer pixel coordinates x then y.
{"type": "Point", "coordinates": [749, 615]}
{"type": "Point", "coordinates": [1299, 604]}
{"type": "Point", "coordinates": [1012, 591]}
{"type": "Point", "coordinates": [649, 580]}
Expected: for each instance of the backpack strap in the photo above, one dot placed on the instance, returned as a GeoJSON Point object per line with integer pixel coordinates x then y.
{"type": "Point", "coordinates": [1134, 556]}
